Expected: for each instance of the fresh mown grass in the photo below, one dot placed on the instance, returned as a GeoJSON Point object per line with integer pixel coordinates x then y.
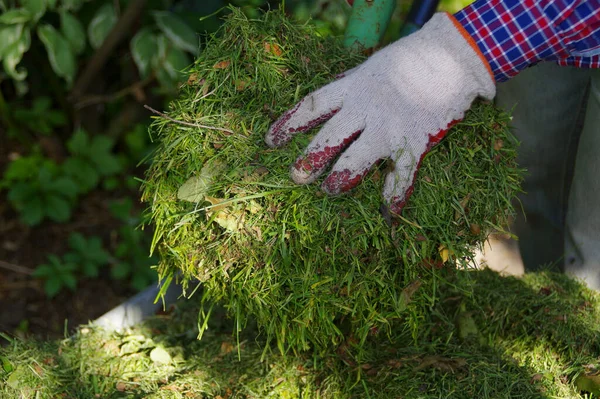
{"type": "Point", "coordinates": [535, 337]}
{"type": "Point", "coordinates": [311, 270]}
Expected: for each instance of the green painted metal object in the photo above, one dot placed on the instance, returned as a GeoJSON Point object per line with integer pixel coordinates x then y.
{"type": "Point", "coordinates": [368, 22]}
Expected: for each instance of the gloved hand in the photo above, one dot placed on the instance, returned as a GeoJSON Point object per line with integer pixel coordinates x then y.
{"type": "Point", "coordinates": [397, 104]}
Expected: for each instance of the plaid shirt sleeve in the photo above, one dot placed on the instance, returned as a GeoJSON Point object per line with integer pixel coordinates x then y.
{"type": "Point", "coordinates": [513, 35]}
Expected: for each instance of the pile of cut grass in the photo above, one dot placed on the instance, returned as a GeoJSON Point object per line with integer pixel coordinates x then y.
{"type": "Point", "coordinates": [535, 337]}
{"type": "Point", "coordinates": [310, 269]}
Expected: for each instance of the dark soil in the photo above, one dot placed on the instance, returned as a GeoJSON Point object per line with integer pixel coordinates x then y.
{"type": "Point", "coordinates": [26, 310]}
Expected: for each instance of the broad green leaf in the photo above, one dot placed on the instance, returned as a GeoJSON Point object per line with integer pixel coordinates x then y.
{"type": "Point", "coordinates": [22, 168]}
{"type": "Point", "coordinates": [62, 58]}
{"type": "Point", "coordinates": [20, 192]}
{"type": "Point", "coordinates": [78, 143]}
{"type": "Point", "coordinates": [95, 251]}
{"type": "Point", "coordinates": [160, 355]}
{"type": "Point", "coordinates": [42, 104]}
{"type": "Point", "coordinates": [177, 31]}
{"type": "Point", "coordinates": [121, 209]}
{"type": "Point", "coordinates": [52, 286]}
{"type": "Point", "coordinates": [16, 16]}
{"type": "Point", "coordinates": [589, 383]}
{"type": "Point", "coordinates": [120, 271]}
{"type": "Point", "coordinates": [65, 186]}
{"type": "Point", "coordinates": [228, 221]}
{"type": "Point", "coordinates": [90, 269]}
{"type": "Point", "coordinates": [83, 172]}
{"type": "Point", "coordinates": [19, 377]}
{"type": "Point", "coordinates": [58, 208]}
{"type": "Point", "coordinates": [46, 178]}
{"type": "Point", "coordinates": [110, 183]}
{"type": "Point", "coordinates": [77, 242]}
{"type": "Point", "coordinates": [70, 4]}
{"type": "Point", "coordinates": [8, 35]}
{"type": "Point", "coordinates": [44, 270]}
{"type": "Point", "coordinates": [32, 212]}
{"type": "Point", "coordinates": [143, 49]}
{"type": "Point", "coordinates": [175, 62]}
{"type": "Point", "coordinates": [13, 55]}
{"type": "Point", "coordinates": [51, 4]}
{"type": "Point", "coordinates": [6, 364]}
{"type": "Point", "coordinates": [73, 31]}
{"type": "Point", "coordinates": [196, 187]}
{"type": "Point", "coordinates": [101, 25]}
{"type": "Point", "coordinates": [100, 153]}
{"type": "Point", "coordinates": [37, 8]}
{"type": "Point", "coordinates": [162, 43]}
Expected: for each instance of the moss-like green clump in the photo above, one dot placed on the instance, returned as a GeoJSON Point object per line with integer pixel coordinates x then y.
{"type": "Point", "coordinates": [530, 338]}
{"type": "Point", "coordinates": [310, 269]}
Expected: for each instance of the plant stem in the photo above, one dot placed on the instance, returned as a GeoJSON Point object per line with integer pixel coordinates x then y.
{"type": "Point", "coordinates": [15, 268]}
{"type": "Point", "coordinates": [101, 56]}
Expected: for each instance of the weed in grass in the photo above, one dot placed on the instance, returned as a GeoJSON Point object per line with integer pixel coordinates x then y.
{"type": "Point", "coordinates": [311, 270]}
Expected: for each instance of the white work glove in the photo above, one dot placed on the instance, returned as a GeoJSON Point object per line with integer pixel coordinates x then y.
{"type": "Point", "coordinates": [397, 104]}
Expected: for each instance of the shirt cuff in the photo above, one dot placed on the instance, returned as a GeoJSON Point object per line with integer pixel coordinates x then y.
{"type": "Point", "coordinates": [512, 35]}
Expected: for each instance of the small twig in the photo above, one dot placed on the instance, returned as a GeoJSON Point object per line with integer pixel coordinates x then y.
{"type": "Point", "coordinates": [15, 268]}
{"type": "Point", "coordinates": [19, 285]}
{"type": "Point", "coordinates": [222, 129]}
{"type": "Point", "coordinates": [119, 32]}
{"type": "Point", "coordinates": [107, 98]}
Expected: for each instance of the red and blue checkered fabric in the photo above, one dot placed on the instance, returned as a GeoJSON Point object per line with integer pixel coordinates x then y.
{"type": "Point", "coordinates": [513, 35]}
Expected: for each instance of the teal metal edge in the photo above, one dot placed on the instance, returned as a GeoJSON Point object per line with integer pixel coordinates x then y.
{"type": "Point", "coordinates": [368, 22]}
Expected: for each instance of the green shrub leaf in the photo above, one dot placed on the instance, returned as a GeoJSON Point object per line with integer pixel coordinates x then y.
{"type": "Point", "coordinates": [100, 153]}
{"type": "Point", "coordinates": [196, 187]}
{"type": "Point", "coordinates": [78, 143]}
{"type": "Point", "coordinates": [96, 151]}
{"type": "Point", "coordinates": [66, 187]}
{"type": "Point", "coordinates": [120, 271]}
{"type": "Point", "coordinates": [58, 208]}
{"type": "Point", "coordinates": [101, 25]}
{"type": "Point", "coordinates": [32, 212]}
{"type": "Point", "coordinates": [84, 173]}
{"type": "Point", "coordinates": [143, 49]}
{"type": "Point", "coordinates": [175, 62]}
{"type": "Point", "coordinates": [8, 35]}
{"type": "Point", "coordinates": [60, 54]}
{"type": "Point", "coordinates": [73, 31]}
{"type": "Point", "coordinates": [87, 254]}
{"type": "Point", "coordinates": [160, 355]}
{"type": "Point", "coordinates": [37, 8]}
{"type": "Point", "coordinates": [13, 54]}
{"type": "Point", "coordinates": [177, 31]}
{"type": "Point", "coordinates": [16, 16]}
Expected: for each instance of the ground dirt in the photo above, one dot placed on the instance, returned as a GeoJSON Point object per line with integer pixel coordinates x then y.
{"type": "Point", "coordinates": [25, 307]}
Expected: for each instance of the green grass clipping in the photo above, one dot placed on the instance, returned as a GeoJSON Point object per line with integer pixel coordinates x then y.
{"type": "Point", "coordinates": [311, 270]}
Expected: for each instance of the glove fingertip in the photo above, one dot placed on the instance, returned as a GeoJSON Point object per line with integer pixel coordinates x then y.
{"type": "Point", "coordinates": [302, 175]}
{"type": "Point", "coordinates": [342, 181]}
{"type": "Point", "coordinates": [397, 203]}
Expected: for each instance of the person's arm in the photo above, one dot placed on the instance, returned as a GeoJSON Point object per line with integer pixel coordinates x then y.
{"type": "Point", "coordinates": [513, 35]}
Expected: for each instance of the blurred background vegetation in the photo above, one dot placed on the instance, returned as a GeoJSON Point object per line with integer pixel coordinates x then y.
{"type": "Point", "coordinates": [74, 79]}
